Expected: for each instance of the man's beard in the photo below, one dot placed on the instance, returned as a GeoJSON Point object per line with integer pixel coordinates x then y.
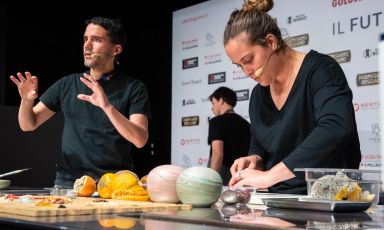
{"type": "Point", "coordinates": [96, 60]}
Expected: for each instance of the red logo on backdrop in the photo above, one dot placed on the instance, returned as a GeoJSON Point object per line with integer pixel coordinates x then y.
{"type": "Point", "coordinates": [336, 3]}
{"type": "Point", "coordinates": [356, 107]}
{"type": "Point", "coordinates": [190, 141]}
{"type": "Point", "coordinates": [195, 18]}
{"type": "Point", "coordinates": [369, 105]}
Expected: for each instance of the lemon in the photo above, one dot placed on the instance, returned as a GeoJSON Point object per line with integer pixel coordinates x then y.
{"type": "Point", "coordinates": [104, 186]}
{"type": "Point", "coordinates": [342, 194]}
{"type": "Point", "coordinates": [124, 181]}
{"type": "Point", "coordinates": [355, 194]}
{"type": "Point", "coordinates": [84, 186]}
{"type": "Point", "coordinates": [124, 223]}
{"type": "Point", "coordinates": [368, 198]}
{"type": "Point", "coordinates": [127, 194]}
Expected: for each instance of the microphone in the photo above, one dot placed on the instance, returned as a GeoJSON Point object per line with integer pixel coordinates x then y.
{"type": "Point", "coordinates": [260, 70]}
{"type": "Point", "coordinates": [96, 56]}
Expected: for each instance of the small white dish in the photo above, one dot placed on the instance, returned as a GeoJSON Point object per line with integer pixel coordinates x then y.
{"type": "Point", "coordinates": [4, 183]}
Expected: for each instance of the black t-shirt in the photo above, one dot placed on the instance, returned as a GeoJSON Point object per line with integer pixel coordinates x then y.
{"type": "Point", "coordinates": [316, 127]}
{"type": "Point", "coordinates": [234, 131]}
{"type": "Point", "coordinates": [90, 143]}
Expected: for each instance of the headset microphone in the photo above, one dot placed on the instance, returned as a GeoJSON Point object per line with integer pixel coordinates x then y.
{"type": "Point", "coordinates": [260, 70]}
{"type": "Point", "coordinates": [96, 56]}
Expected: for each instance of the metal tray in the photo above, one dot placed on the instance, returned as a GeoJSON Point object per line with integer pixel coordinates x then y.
{"type": "Point", "coordinates": [317, 205]}
{"type": "Point", "coordinates": [317, 216]}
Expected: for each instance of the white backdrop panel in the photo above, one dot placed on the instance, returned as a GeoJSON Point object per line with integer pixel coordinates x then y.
{"type": "Point", "coordinates": [348, 30]}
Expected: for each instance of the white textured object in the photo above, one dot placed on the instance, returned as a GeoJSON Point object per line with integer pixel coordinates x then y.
{"type": "Point", "coordinates": [161, 183]}
{"type": "Point", "coordinates": [328, 186]}
{"type": "Point", "coordinates": [199, 186]}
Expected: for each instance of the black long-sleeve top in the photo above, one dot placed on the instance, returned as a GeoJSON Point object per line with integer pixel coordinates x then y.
{"type": "Point", "coordinates": [316, 127]}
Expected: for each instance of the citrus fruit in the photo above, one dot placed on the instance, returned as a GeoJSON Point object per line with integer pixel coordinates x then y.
{"type": "Point", "coordinates": [124, 181]}
{"type": "Point", "coordinates": [84, 186]}
{"type": "Point", "coordinates": [127, 171]}
{"type": "Point", "coordinates": [108, 223]}
{"type": "Point", "coordinates": [127, 194]}
{"type": "Point", "coordinates": [355, 194]}
{"type": "Point", "coordinates": [124, 223]}
{"type": "Point", "coordinates": [136, 187]}
{"type": "Point", "coordinates": [342, 194]}
{"type": "Point", "coordinates": [367, 197]}
{"type": "Point", "coordinates": [104, 186]}
{"type": "Point", "coordinates": [143, 181]}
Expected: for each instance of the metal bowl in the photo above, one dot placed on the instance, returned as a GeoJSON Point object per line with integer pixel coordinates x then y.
{"type": "Point", "coordinates": [4, 183]}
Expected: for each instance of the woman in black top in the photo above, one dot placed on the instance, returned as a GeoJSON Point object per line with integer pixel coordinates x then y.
{"type": "Point", "coordinates": [301, 111]}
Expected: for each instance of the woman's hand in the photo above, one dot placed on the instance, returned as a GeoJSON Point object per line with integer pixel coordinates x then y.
{"type": "Point", "coordinates": [251, 177]}
{"type": "Point", "coordinates": [252, 162]}
{"type": "Point", "coordinates": [261, 179]}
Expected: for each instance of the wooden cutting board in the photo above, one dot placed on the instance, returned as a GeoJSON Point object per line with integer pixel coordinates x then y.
{"type": "Point", "coordinates": [86, 206]}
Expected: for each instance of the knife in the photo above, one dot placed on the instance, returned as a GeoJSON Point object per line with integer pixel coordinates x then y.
{"type": "Point", "coordinates": [13, 172]}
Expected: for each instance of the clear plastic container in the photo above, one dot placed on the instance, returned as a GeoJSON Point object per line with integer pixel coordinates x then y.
{"type": "Point", "coordinates": [343, 184]}
{"type": "Point", "coordinates": [63, 192]}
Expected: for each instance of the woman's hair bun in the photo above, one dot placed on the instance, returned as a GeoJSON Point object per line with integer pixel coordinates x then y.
{"type": "Point", "coordinates": [260, 5]}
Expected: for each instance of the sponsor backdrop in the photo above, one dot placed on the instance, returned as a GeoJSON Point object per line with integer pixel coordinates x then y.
{"type": "Point", "coordinates": [348, 30]}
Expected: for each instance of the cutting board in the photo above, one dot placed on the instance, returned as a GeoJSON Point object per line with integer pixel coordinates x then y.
{"type": "Point", "coordinates": [87, 206]}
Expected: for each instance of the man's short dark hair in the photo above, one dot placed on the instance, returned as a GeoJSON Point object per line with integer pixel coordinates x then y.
{"type": "Point", "coordinates": [225, 93]}
{"type": "Point", "coordinates": [113, 26]}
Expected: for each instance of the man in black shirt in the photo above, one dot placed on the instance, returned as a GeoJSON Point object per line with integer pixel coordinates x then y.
{"type": "Point", "coordinates": [229, 133]}
{"type": "Point", "coordinates": [105, 111]}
